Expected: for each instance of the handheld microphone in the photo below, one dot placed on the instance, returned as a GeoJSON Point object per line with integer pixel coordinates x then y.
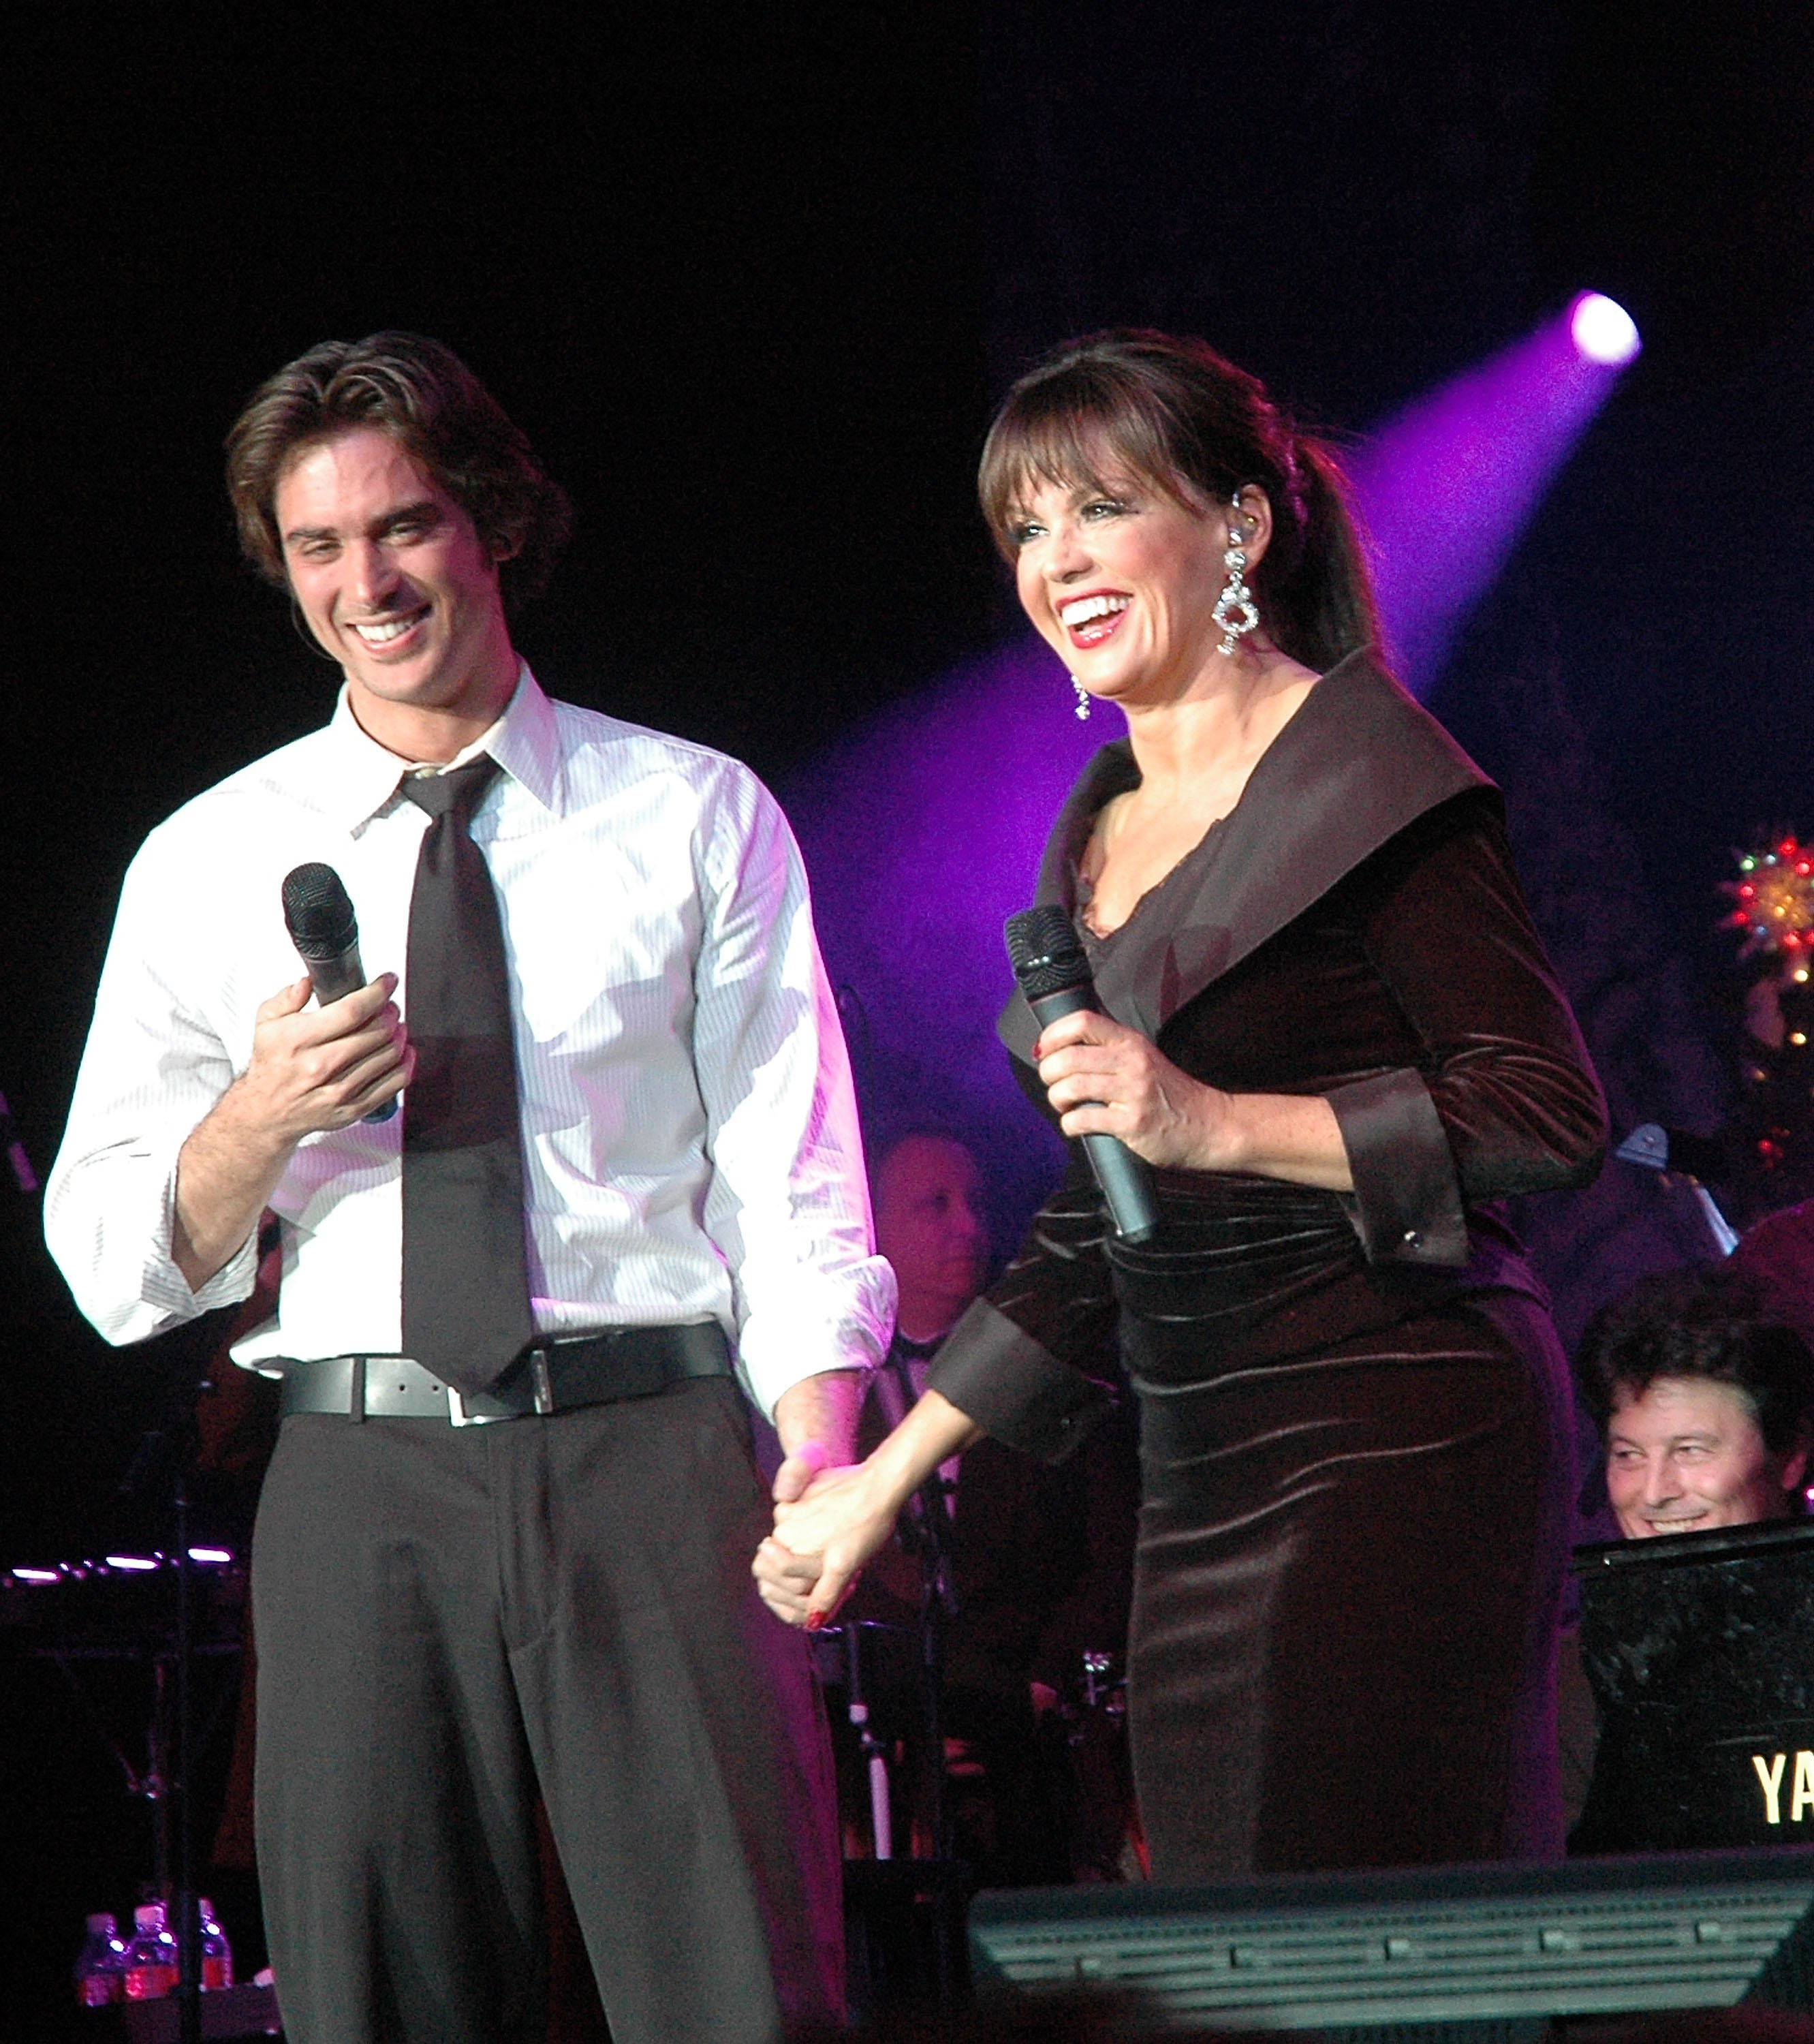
{"type": "Point", "coordinates": [1052, 971]}
{"type": "Point", "coordinates": [318, 913]}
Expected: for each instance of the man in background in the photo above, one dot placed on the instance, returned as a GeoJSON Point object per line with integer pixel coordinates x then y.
{"type": "Point", "coordinates": [1702, 1391]}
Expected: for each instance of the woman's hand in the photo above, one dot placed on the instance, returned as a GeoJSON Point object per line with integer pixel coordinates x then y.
{"type": "Point", "coordinates": [810, 1564]}
{"type": "Point", "coordinates": [1106, 1079]}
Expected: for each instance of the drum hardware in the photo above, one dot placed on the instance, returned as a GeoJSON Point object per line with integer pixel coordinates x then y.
{"type": "Point", "coordinates": [875, 1756]}
{"type": "Point", "coordinates": [119, 1607]}
{"type": "Point", "coordinates": [926, 1530]}
{"type": "Point", "coordinates": [1088, 1752]}
{"type": "Point", "coordinates": [1105, 1688]}
{"type": "Point", "coordinates": [161, 1469]}
{"type": "Point", "coordinates": [935, 1886]}
{"type": "Point", "coordinates": [1655, 1148]}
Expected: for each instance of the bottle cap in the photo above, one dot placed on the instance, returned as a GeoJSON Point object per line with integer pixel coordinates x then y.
{"type": "Point", "coordinates": [149, 1916]}
{"type": "Point", "coordinates": [102, 1924]}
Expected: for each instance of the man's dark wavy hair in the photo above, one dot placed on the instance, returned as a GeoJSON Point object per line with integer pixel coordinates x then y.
{"type": "Point", "coordinates": [1713, 1323]}
{"type": "Point", "coordinates": [418, 392]}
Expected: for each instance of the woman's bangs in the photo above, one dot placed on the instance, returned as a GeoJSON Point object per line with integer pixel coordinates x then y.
{"type": "Point", "coordinates": [1072, 440]}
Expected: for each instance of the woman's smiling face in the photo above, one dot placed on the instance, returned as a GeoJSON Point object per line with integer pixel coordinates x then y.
{"type": "Point", "coordinates": [1121, 578]}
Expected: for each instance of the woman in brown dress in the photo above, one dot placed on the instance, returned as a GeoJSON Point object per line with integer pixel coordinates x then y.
{"type": "Point", "coordinates": [1329, 1027]}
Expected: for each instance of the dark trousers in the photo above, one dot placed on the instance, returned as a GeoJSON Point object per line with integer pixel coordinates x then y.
{"type": "Point", "coordinates": [451, 1619]}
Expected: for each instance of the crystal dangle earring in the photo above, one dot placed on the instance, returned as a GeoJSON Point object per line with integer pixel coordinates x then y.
{"type": "Point", "coordinates": [1083, 701]}
{"type": "Point", "coordinates": [1235, 610]}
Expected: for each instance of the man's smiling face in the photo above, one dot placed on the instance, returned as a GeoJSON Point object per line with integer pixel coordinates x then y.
{"type": "Point", "coordinates": [396, 584]}
{"type": "Point", "coordinates": [1687, 1455]}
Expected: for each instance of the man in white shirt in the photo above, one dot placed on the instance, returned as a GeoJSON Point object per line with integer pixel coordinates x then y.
{"type": "Point", "coordinates": [471, 1588]}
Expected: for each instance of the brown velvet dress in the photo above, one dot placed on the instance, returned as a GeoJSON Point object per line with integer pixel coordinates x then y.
{"type": "Point", "coordinates": [1354, 1411]}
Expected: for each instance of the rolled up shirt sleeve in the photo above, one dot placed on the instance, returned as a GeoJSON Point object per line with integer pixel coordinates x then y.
{"type": "Point", "coordinates": [152, 1068]}
{"type": "Point", "coordinates": [787, 1205]}
{"type": "Point", "coordinates": [1503, 1100]}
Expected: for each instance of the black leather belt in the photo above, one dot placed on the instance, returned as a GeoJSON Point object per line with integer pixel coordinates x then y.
{"type": "Point", "coordinates": [553, 1376]}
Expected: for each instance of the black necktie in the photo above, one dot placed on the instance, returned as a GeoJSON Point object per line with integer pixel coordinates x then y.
{"type": "Point", "coordinates": [466, 1283]}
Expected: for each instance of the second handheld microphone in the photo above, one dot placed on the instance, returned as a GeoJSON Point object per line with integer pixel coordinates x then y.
{"type": "Point", "coordinates": [1052, 971]}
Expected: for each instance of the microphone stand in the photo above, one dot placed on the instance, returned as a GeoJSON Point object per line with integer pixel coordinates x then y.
{"type": "Point", "coordinates": [930, 1520]}
{"type": "Point", "coordinates": [188, 1911]}
{"type": "Point", "coordinates": [938, 1607]}
{"type": "Point", "coordinates": [172, 1437]}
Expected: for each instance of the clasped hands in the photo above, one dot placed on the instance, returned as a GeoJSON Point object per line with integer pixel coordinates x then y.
{"type": "Point", "coordinates": [809, 1564]}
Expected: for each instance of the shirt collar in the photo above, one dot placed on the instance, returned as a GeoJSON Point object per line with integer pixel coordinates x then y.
{"type": "Point", "coordinates": [526, 743]}
{"type": "Point", "coordinates": [364, 775]}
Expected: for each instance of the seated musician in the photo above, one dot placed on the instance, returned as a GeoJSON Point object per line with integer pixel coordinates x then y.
{"type": "Point", "coordinates": [1702, 1391]}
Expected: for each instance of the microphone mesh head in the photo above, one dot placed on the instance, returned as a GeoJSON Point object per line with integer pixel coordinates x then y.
{"type": "Point", "coordinates": [318, 912]}
{"type": "Point", "coordinates": [1043, 950]}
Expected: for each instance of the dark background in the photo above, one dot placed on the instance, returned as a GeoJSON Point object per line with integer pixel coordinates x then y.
{"type": "Point", "coordinates": [751, 278]}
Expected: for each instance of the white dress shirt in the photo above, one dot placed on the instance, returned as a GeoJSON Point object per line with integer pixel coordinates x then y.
{"type": "Point", "coordinates": [689, 1132]}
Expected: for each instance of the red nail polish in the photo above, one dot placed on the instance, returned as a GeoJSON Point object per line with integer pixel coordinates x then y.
{"type": "Point", "coordinates": [814, 1620]}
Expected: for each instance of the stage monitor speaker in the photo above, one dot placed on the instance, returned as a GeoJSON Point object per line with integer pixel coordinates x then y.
{"type": "Point", "coordinates": [1481, 1953]}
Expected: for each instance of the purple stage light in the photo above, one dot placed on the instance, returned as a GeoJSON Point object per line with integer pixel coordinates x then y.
{"type": "Point", "coordinates": [1445, 488]}
{"type": "Point", "coordinates": [922, 831]}
{"type": "Point", "coordinates": [1603, 331]}
{"type": "Point", "coordinates": [214, 1558]}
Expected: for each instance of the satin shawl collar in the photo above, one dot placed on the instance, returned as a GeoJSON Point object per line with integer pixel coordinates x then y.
{"type": "Point", "coordinates": [1359, 761]}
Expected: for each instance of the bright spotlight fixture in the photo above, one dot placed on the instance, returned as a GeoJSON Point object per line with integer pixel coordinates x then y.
{"type": "Point", "coordinates": [1603, 331]}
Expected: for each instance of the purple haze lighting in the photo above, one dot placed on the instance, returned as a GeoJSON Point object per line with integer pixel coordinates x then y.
{"type": "Point", "coordinates": [1445, 487]}
{"type": "Point", "coordinates": [1603, 331]}
{"type": "Point", "coordinates": [921, 830]}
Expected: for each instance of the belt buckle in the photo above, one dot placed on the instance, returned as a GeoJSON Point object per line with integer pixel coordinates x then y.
{"type": "Point", "coordinates": [458, 1416]}
{"type": "Point", "coordinates": [542, 1391]}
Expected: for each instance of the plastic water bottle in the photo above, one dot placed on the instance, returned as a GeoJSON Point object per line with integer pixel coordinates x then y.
{"type": "Point", "coordinates": [101, 1965]}
{"type": "Point", "coordinates": [217, 1953]}
{"type": "Point", "coordinates": [151, 1958]}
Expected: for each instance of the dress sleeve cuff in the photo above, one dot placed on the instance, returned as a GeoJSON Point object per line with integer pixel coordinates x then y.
{"type": "Point", "coordinates": [1407, 1195]}
{"type": "Point", "coordinates": [1019, 1392]}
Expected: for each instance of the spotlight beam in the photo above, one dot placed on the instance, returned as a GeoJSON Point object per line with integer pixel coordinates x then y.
{"type": "Point", "coordinates": [1445, 487]}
